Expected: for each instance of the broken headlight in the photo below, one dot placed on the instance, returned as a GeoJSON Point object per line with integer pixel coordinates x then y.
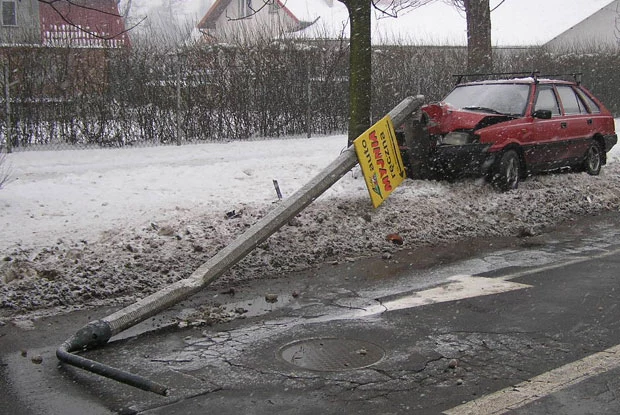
{"type": "Point", "coordinates": [458, 138]}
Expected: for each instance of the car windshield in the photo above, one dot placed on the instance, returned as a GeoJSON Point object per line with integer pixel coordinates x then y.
{"type": "Point", "coordinates": [509, 99]}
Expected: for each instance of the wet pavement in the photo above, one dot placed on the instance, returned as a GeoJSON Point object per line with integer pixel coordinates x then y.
{"type": "Point", "coordinates": [441, 329]}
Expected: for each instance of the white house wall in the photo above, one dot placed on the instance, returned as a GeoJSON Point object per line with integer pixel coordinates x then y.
{"type": "Point", "coordinates": [229, 27]}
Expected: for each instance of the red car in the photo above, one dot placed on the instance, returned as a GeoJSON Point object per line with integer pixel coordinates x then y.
{"type": "Point", "coordinates": [507, 129]}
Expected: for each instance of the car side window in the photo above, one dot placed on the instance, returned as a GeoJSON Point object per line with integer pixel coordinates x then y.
{"type": "Point", "coordinates": [592, 106]}
{"type": "Point", "coordinates": [571, 103]}
{"type": "Point", "coordinates": [546, 100]}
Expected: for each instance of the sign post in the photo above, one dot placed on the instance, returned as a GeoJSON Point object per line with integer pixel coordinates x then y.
{"type": "Point", "coordinates": [97, 333]}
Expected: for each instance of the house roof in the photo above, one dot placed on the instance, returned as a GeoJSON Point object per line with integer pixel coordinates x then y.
{"type": "Point", "coordinates": [213, 13]}
{"type": "Point", "coordinates": [82, 23]}
{"type": "Point", "coordinates": [600, 28]}
{"type": "Point", "coordinates": [310, 11]}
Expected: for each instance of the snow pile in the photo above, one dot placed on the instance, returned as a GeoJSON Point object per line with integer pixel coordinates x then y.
{"type": "Point", "coordinates": [92, 227]}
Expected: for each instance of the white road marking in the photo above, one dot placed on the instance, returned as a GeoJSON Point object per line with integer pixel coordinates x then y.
{"type": "Point", "coordinates": [540, 386]}
{"type": "Point", "coordinates": [466, 286]}
{"type": "Point", "coordinates": [458, 287]}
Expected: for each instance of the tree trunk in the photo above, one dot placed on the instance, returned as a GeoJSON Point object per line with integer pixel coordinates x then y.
{"type": "Point", "coordinates": [479, 53]}
{"type": "Point", "coordinates": [360, 67]}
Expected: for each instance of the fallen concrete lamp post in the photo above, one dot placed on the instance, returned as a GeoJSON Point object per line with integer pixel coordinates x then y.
{"type": "Point", "coordinates": [97, 333]}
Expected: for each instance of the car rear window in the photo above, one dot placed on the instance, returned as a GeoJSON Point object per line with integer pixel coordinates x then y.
{"type": "Point", "coordinates": [592, 106]}
{"type": "Point", "coordinates": [571, 103]}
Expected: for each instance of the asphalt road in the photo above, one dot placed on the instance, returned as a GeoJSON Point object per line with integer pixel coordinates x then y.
{"type": "Point", "coordinates": [512, 325]}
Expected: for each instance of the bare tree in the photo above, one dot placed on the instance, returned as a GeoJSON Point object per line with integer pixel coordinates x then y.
{"type": "Point", "coordinates": [617, 21]}
{"type": "Point", "coordinates": [393, 8]}
{"type": "Point", "coordinates": [360, 60]}
{"type": "Point", "coordinates": [360, 67]}
{"type": "Point", "coordinates": [479, 46]}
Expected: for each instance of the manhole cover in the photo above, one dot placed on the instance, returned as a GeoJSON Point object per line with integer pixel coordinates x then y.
{"type": "Point", "coordinates": [331, 354]}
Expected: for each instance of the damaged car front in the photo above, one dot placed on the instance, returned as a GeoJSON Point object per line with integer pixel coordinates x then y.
{"type": "Point", "coordinates": [505, 130]}
{"type": "Point", "coordinates": [473, 123]}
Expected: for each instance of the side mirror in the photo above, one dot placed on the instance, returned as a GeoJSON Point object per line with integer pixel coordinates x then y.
{"type": "Point", "coordinates": [542, 114]}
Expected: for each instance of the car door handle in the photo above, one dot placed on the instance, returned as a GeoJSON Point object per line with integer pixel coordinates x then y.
{"type": "Point", "coordinates": [563, 125]}
{"type": "Point", "coordinates": [589, 121]}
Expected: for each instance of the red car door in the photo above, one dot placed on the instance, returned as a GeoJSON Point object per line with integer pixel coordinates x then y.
{"type": "Point", "coordinates": [543, 145]}
{"type": "Point", "coordinates": [577, 124]}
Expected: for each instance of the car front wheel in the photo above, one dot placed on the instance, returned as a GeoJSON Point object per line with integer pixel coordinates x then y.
{"type": "Point", "coordinates": [594, 159]}
{"type": "Point", "coordinates": [508, 172]}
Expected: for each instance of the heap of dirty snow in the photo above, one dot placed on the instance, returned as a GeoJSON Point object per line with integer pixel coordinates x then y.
{"type": "Point", "coordinates": [82, 228]}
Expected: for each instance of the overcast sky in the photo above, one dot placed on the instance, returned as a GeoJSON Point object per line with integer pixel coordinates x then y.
{"type": "Point", "coordinates": [515, 22]}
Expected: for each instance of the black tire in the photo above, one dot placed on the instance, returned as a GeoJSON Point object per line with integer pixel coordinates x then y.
{"type": "Point", "coordinates": [508, 172]}
{"type": "Point", "coordinates": [594, 159]}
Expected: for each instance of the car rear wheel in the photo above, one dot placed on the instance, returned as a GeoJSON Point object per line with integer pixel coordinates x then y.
{"type": "Point", "coordinates": [508, 172]}
{"type": "Point", "coordinates": [594, 159]}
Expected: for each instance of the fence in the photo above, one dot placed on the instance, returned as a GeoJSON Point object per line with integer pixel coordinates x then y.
{"type": "Point", "coordinates": [63, 98]}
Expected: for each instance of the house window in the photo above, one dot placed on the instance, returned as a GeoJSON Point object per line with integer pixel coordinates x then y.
{"type": "Point", "coordinates": [9, 13]}
{"type": "Point", "coordinates": [245, 8]}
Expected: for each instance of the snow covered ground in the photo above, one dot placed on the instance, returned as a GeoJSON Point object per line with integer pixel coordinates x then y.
{"type": "Point", "coordinates": [82, 228]}
{"type": "Point", "coordinates": [77, 194]}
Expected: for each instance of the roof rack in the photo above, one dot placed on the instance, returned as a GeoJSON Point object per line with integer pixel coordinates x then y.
{"type": "Point", "coordinates": [575, 75]}
{"type": "Point", "coordinates": [534, 74]}
{"type": "Point", "coordinates": [459, 77]}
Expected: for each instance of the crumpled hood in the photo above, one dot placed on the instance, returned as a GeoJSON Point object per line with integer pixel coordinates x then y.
{"type": "Point", "coordinates": [444, 118]}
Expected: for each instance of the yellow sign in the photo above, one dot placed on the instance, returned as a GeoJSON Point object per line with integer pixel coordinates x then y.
{"type": "Point", "coordinates": [379, 156]}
